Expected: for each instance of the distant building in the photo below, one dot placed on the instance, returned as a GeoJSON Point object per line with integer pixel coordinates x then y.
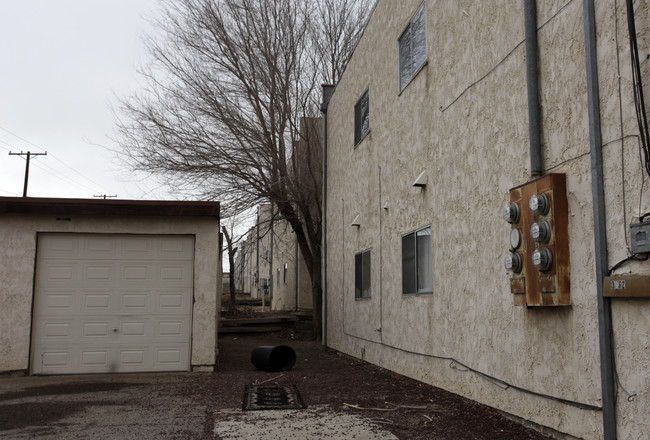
{"type": "Point", "coordinates": [282, 272]}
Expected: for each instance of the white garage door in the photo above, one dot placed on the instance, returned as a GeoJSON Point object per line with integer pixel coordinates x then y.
{"type": "Point", "coordinates": [112, 303]}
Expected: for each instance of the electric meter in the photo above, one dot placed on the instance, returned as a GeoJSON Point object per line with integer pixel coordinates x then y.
{"type": "Point", "coordinates": [515, 238]}
{"type": "Point", "coordinates": [543, 259]}
{"type": "Point", "coordinates": [539, 204]}
{"type": "Point", "coordinates": [513, 263]}
{"type": "Point", "coordinates": [541, 231]}
{"type": "Point", "coordinates": [511, 213]}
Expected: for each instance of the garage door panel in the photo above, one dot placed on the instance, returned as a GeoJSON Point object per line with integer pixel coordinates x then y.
{"type": "Point", "coordinates": [61, 331]}
{"type": "Point", "coordinates": [99, 247]}
{"type": "Point", "coordinates": [176, 248]}
{"type": "Point", "coordinates": [61, 301]}
{"type": "Point", "coordinates": [172, 329]}
{"type": "Point", "coordinates": [170, 357]}
{"type": "Point", "coordinates": [172, 301]}
{"type": "Point", "coordinates": [95, 358]}
{"type": "Point", "coordinates": [96, 329]}
{"type": "Point", "coordinates": [59, 273]}
{"type": "Point", "coordinates": [59, 248]}
{"type": "Point", "coordinates": [112, 303]}
{"type": "Point", "coordinates": [98, 302]}
{"type": "Point", "coordinates": [174, 274]}
{"type": "Point", "coordinates": [97, 274]}
{"type": "Point", "coordinates": [136, 274]}
{"type": "Point", "coordinates": [59, 358]}
{"type": "Point", "coordinates": [136, 302]}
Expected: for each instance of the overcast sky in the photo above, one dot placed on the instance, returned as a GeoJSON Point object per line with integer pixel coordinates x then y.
{"type": "Point", "coordinates": [62, 64]}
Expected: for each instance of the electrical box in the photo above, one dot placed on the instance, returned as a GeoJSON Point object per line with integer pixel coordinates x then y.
{"type": "Point", "coordinates": [640, 237]}
{"type": "Point", "coordinates": [538, 261]}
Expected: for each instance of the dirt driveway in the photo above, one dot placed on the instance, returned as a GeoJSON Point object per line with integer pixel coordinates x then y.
{"type": "Point", "coordinates": [202, 405]}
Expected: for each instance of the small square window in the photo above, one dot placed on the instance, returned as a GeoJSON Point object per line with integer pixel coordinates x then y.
{"type": "Point", "coordinates": [417, 263]}
{"type": "Point", "coordinates": [362, 117]}
{"type": "Point", "coordinates": [413, 47]}
{"type": "Point", "coordinates": [362, 275]}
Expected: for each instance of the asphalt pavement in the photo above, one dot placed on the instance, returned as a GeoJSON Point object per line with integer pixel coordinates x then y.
{"type": "Point", "coordinates": [155, 406]}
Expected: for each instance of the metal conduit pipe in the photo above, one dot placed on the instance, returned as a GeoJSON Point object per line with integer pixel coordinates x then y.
{"type": "Point", "coordinates": [600, 233]}
{"type": "Point", "coordinates": [532, 80]}
{"type": "Point", "coordinates": [328, 90]}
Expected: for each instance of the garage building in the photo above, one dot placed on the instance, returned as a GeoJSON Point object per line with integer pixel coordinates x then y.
{"type": "Point", "coordinates": [103, 286]}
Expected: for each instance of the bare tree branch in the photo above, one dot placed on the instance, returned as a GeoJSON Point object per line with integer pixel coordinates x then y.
{"type": "Point", "coordinates": [229, 109]}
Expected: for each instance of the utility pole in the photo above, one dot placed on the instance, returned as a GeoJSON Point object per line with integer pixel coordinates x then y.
{"type": "Point", "coordinates": [29, 154]}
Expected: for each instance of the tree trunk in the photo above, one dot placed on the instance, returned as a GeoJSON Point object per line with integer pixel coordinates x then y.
{"type": "Point", "coordinates": [317, 295]}
{"type": "Point", "coordinates": [231, 261]}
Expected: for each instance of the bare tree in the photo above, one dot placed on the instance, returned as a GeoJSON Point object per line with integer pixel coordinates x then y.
{"type": "Point", "coordinates": [232, 239]}
{"type": "Point", "coordinates": [226, 92]}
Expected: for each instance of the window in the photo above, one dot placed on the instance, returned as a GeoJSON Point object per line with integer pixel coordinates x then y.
{"type": "Point", "coordinates": [286, 269]}
{"type": "Point", "coordinates": [362, 117]}
{"type": "Point", "coordinates": [362, 275]}
{"type": "Point", "coordinates": [413, 47]}
{"type": "Point", "coordinates": [277, 280]}
{"type": "Point", "coordinates": [417, 266]}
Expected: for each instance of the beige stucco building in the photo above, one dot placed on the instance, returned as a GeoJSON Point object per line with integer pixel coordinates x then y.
{"type": "Point", "coordinates": [427, 134]}
{"type": "Point", "coordinates": [98, 286]}
{"type": "Point", "coordinates": [270, 249]}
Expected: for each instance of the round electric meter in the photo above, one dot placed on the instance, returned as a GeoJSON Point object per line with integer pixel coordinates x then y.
{"type": "Point", "coordinates": [513, 263]}
{"type": "Point", "coordinates": [541, 231]}
{"type": "Point", "coordinates": [543, 259]}
{"type": "Point", "coordinates": [539, 204]}
{"type": "Point", "coordinates": [511, 213]}
{"type": "Point", "coordinates": [515, 238]}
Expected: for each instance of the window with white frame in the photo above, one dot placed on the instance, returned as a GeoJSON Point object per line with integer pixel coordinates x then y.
{"type": "Point", "coordinates": [417, 264]}
{"type": "Point", "coordinates": [362, 117]}
{"type": "Point", "coordinates": [362, 275]}
{"type": "Point", "coordinates": [413, 47]}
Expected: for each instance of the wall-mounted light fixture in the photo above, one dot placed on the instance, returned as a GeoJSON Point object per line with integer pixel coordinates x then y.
{"type": "Point", "coordinates": [355, 222]}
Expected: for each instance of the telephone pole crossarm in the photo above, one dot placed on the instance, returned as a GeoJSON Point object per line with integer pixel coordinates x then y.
{"type": "Point", "coordinates": [29, 155]}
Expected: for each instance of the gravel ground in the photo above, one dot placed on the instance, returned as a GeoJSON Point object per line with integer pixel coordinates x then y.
{"type": "Point", "coordinates": [411, 409]}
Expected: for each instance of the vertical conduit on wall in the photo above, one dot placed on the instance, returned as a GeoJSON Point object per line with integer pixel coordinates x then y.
{"type": "Point", "coordinates": [532, 81]}
{"type": "Point", "coordinates": [328, 90]}
{"type": "Point", "coordinates": [600, 233]}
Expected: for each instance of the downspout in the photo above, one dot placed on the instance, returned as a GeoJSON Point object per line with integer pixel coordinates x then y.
{"type": "Point", "coordinates": [600, 233]}
{"type": "Point", "coordinates": [271, 262]}
{"type": "Point", "coordinates": [296, 265]}
{"type": "Point", "coordinates": [328, 90]}
{"type": "Point", "coordinates": [532, 80]}
{"type": "Point", "coordinates": [257, 257]}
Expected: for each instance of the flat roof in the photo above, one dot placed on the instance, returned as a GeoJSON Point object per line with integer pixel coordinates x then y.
{"type": "Point", "coordinates": [107, 207]}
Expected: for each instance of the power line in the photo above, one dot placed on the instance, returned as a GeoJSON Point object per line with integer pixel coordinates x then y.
{"type": "Point", "coordinates": [21, 138]}
{"type": "Point", "coordinates": [56, 173]}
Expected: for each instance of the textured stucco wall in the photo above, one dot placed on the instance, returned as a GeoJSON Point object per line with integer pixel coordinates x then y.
{"type": "Point", "coordinates": [284, 252]}
{"type": "Point", "coordinates": [18, 255]}
{"type": "Point", "coordinates": [463, 120]}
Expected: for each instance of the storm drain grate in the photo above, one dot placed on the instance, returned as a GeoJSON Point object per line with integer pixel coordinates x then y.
{"type": "Point", "coordinates": [259, 397]}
